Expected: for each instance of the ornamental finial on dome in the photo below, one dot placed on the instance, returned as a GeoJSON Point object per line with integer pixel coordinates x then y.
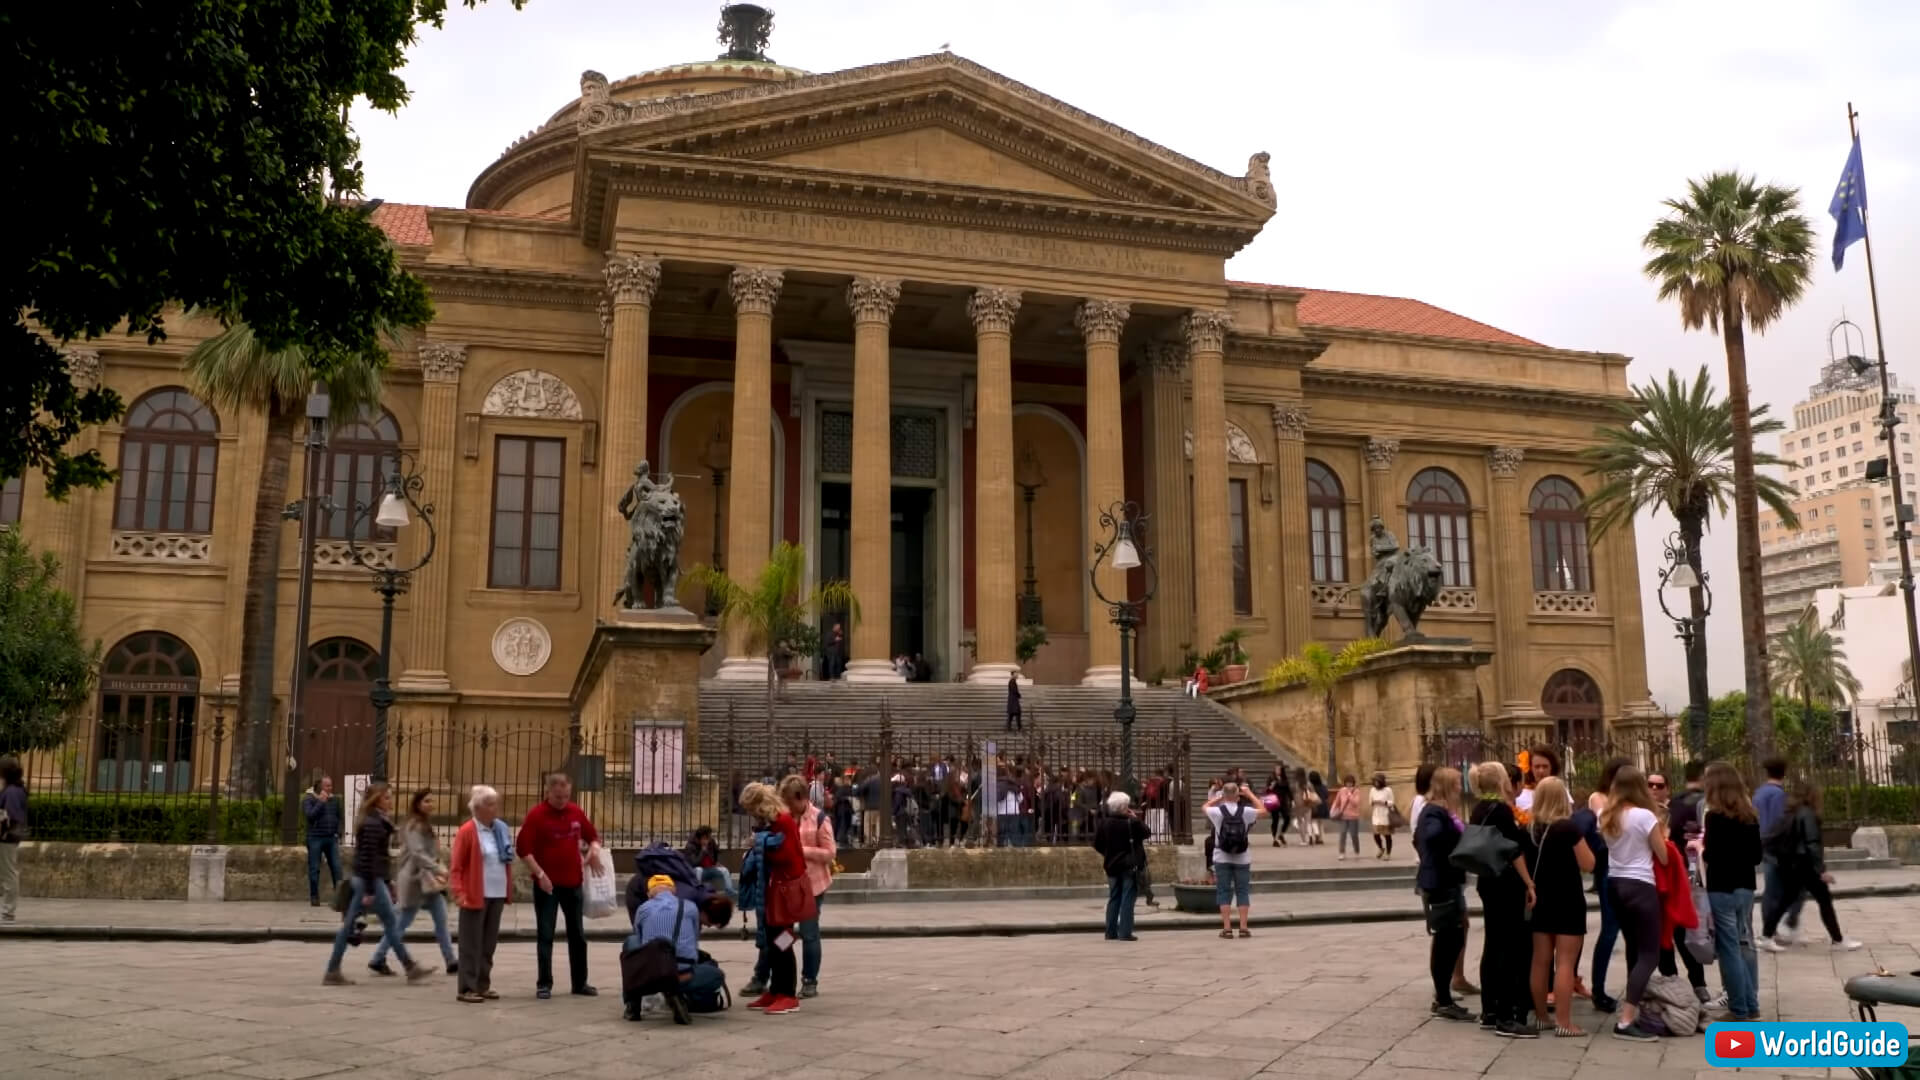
{"type": "Point", "coordinates": [744, 30]}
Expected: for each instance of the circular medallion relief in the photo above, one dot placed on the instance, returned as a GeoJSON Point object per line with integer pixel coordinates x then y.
{"type": "Point", "coordinates": [521, 646]}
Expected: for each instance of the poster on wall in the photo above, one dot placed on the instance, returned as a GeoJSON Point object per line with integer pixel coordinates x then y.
{"type": "Point", "coordinates": [659, 758]}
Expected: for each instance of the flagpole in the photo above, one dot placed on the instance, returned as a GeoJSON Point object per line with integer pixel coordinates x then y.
{"type": "Point", "coordinates": [1888, 418]}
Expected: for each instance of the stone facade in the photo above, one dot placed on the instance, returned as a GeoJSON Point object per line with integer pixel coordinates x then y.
{"type": "Point", "coordinates": [822, 302]}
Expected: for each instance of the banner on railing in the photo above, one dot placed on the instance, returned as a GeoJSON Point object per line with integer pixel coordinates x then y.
{"type": "Point", "coordinates": [659, 758]}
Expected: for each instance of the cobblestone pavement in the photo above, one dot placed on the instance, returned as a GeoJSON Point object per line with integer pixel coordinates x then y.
{"type": "Point", "coordinates": [1330, 1002]}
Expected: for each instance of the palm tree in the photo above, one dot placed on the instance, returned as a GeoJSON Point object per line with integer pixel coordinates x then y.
{"type": "Point", "coordinates": [1813, 667]}
{"type": "Point", "coordinates": [1670, 448]}
{"type": "Point", "coordinates": [1736, 253]}
{"type": "Point", "coordinates": [237, 371]}
{"type": "Point", "coordinates": [1320, 669]}
{"type": "Point", "coordinates": [776, 609]}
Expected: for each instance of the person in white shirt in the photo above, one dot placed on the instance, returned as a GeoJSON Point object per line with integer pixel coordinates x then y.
{"type": "Point", "coordinates": [1636, 839]}
{"type": "Point", "coordinates": [1232, 813]}
{"type": "Point", "coordinates": [1380, 800]}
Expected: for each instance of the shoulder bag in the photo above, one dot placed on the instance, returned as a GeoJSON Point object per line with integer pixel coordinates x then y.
{"type": "Point", "coordinates": [791, 902]}
{"type": "Point", "coordinates": [1484, 851]}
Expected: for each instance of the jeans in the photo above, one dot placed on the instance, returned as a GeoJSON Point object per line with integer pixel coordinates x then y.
{"type": "Point", "coordinates": [711, 876]}
{"type": "Point", "coordinates": [1609, 935]}
{"type": "Point", "coordinates": [1120, 892]}
{"type": "Point", "coordinates": [1776, 883]}
{"type": "Point", "coordinates": [547, 907]}
{"type": "Point", "coordinates": [317, 846]}
{"type": "Point", "coordinates": [1349, 830]}
{"type": "Point", "coordinates": [1231, 882]}
{"type": "Point", "coordinates": [809, 933]}
{"type": "Point", "coordinates": [437, 906]}
{"type": "Point", "coordinates": [364, 890]}
{"type": "Point", "coordinates": [1733, 944]}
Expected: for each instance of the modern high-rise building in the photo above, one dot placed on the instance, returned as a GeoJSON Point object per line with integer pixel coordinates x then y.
{"type": "Point", "coordinates": [1846, 520]}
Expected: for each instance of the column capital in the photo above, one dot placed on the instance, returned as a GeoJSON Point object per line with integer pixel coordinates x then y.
{"type": "Point", "coordinates": [992, 309]}
{"type": "Point", "coordinates": [1168, 358]}
{"type": "Point", "coordinates": [1290, 422]}
{"type": "Point", "coordinates": [83, 368]}
{"type": "Point", "coordinates": [1100, 321]}
{"type": "Point", "coordinates": [873, 299]}
{"type": "Point", "coordinates": [632, 279]}
{"type": "Point", "coordinates": [442, 361]}
{"type": "Point", "coordinates": [1505, 461]}
{"type": "Point", "coordinates": [755, 289]}
{"type": "Point", "coordinates": [1207, 330]}
{"type": "Point", "coordinates": [1380, 453]}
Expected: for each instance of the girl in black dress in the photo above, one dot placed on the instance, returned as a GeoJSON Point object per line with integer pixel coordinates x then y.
{"type": "Point", "coordinates": [1560, 902]}
{"type": "Point", "coordinates": [1506, 956]}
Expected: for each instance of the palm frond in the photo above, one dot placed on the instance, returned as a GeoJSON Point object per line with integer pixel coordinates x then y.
{"type": "Point", "coordinates": [238, 371]}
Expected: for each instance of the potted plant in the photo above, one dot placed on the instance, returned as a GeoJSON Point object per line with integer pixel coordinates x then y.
{"type": "Point", "coordinates": [1027, 645]}
{"type": "Point", "coordinates": [1232, 658]}
{"type": "Point", "coordinates": [1194, 895]}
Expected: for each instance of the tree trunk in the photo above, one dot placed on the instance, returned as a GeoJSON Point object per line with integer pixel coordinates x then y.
{"type": "Point", "coordinates": [1692, 525]}
{"type": "Point", "coordinates": [1746, 521]}
{"type": "Point", "coordinates": [1333, 753]}
{"type": "Point", "coordinates": [258, 616]}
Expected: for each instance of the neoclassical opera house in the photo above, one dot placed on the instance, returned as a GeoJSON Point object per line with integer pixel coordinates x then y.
{"type": "Point", "coordinates": [885, 313]}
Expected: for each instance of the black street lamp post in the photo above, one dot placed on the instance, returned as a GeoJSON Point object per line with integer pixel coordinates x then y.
{"type": "Point", "coordinates": [1682, 573]}
{"type": "Point", "coordinates": [395, 510]}
{"type": "Point", "coordinates": [1126, 549]}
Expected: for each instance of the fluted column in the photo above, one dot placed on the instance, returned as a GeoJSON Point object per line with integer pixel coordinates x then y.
{"type": "Point", "coordinates": [631, 283]}
{"type": "Point", "coordinates": [1296, 571]}
{"type": "Point", "coordinates": [65, 528]}
{"type": "Point", "coordinates": [749, 530]}
{"type": "Point", "coordinates": [1616, 579]}
{"type": "Point", "coordinates": [1512, 587]}
{"type": "Point", "coordinates": [1380, 454]}
{"type": "Point", "coordinates": [872, 300]}
{"type": "Point", "coordinates": [1100, 323]}
{"type": "Point", "coordinates": [1212, 543]}
{"type": "Point", "coordinates": [1170, 615]}
{"type": "Point", "coordinates": [992, 310]}
{"type": "Point", "coordinates": [440, 366]}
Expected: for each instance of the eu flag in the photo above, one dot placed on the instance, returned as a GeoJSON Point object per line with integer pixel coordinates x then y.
{"type": "Point", "coordinates": [1849, 206]}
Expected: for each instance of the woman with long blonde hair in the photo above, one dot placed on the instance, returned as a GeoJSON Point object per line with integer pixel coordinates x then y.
{"type": "Point", "coordinates": [1506, 955]}
{"type": "Point", "coordinates": [1436, 831]}
{"type": "Point", "coordinates": [1559, 921]}
{"type": "Point", "coordinates": [1636, 840]}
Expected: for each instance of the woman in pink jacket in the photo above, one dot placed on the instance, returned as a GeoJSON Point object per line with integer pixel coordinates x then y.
{"type": "Point", "coordinates": [816, 844]}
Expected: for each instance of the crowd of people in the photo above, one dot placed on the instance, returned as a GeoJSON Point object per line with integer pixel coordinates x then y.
{"type": "Point", "coordinates": [1520, 834]}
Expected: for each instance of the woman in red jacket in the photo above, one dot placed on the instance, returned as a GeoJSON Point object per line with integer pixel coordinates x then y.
{"type": "Point", "coordinates": [785, 861]}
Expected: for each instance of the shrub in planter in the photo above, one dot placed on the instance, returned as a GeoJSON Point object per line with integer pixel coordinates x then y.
{"type": "Point", "coordinates": [1195, 896]}
{"type": "Point", "coordinates": [137, 818]}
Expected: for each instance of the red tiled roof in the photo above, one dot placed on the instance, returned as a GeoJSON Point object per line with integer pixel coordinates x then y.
{"type": "Point", "coordinates": [404, 223]}
{"type": "Point", "coordinates": [1394, 314]}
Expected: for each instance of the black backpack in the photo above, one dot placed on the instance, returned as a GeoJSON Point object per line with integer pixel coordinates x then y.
{"type": "Point", "coordinates": [1233, 831]}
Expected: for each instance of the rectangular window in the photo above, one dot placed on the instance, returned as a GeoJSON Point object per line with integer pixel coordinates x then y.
{"type": "Point", "coordinates": [527, 489]}
{"type": "Point", "coordinates": [1854, 428]}
{"type": "Point", "coordinates": [1823, 436]}
{"type": "Point", "coordinates": [10, 503]}
{"type": "Point", "coordinates": [1242, 564]}
{"type": "Point", "coordinates": [1839, 451]}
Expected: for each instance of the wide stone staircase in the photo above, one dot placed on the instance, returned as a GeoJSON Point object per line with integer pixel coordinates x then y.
{"type": "Point", "coordinates": [821, 716]}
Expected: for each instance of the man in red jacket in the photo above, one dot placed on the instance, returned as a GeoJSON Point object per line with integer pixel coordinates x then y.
{"type": "Point", "coordinates": [550, 843]}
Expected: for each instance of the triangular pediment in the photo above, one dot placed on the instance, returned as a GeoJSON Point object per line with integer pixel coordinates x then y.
{"type": "Point", "coordinates": [934, 119]}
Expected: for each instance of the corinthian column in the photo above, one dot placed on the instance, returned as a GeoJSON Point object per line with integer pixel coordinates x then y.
{"type": "Point", "coordinates": [1513, 591]}
{"type": "Point", "coordinates": [440, 366]}
{"type": "Point", "coordinates": [872, 300]}
{"type": "Point", "coordinates": [631, 282]}
{"type": "Point", "coordinates": [1296, 573]}
{"type": "Point", "coordinates": [1170, 616]}
{"type": "Point", "coordinates": [1100, 323]}
{"type": "Point", "coordinates": [1380, 453]}
{"type": "Point", "coordinates": [1212, 544]}
{"type": "Point", "coordinates": [749, 530]}
{"type": "Point", "coordinates": [66, 521]}
{"type": "Point", "coordinates": [992, 310]}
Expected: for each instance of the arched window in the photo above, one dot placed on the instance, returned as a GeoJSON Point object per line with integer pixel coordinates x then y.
{"type": "Point", "coordinates": [1326, 523]}
{"type": "Point", "coordinates": [167, 458]}
{"type": "Point", "coordinates": [1440, 519]}
{"type": "Point", "coordinates": [1560, 562]}
{"type": "Point", "coordinates": [352, 473]}
{"type": "Point", "coordinates": [1572, 700]}
{"type": "Point", "coordinates": [149, 687]}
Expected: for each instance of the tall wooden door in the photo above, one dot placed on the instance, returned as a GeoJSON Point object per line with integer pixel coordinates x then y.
{"type": "Point", "coordinates": [337, 733]}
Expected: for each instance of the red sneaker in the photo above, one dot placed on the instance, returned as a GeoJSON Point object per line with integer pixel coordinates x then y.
{"type": "Point", "coordinates": [783, 1005]}
{"type": "Point", "coordinates": [763, 1001]}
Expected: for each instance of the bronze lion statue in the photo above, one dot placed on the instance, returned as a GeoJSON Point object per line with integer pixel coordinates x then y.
{"type": "Point", "coordinates": [656, 521]}
{"type": "Point", "coordinates": [1402, 587]}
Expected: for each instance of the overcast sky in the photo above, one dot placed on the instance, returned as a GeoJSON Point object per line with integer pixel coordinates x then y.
{"type": "Point", "coordinates": [1501, 159]}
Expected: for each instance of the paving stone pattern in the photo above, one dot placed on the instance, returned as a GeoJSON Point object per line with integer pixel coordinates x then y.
{"type": "Point", "coordinates": [1329, 1002]}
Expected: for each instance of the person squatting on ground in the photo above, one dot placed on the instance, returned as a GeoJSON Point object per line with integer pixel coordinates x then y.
{"type": "Point", "coordinates": [551, 841]}
{"type": "Point", "coordinates": [697, 982]}
{"type": "Point", "coordinates": [1120, 838]}
{"type": "Point", "coordinates": [372, 866]}
{"type": "Point", "coordinates": [419, 882]}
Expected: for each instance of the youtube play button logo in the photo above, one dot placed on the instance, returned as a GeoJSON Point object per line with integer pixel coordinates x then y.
{"type": "Point", "coordinates": [1733, 1044]}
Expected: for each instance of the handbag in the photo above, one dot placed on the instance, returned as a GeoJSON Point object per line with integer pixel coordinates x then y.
{"type": "Point", "coordinates": [1444, 913]}
{"type": "Point", "coordinates": [791, 902]}
{"type": "Point", "coordinates": [1483, 851]}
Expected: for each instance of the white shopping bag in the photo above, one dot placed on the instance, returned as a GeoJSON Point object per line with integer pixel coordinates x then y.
{"type": "Point", "coordinates": [600, 900]}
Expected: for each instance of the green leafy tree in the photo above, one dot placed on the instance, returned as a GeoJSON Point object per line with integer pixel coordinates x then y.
{"type": "Point", "coordinates": [1670, 447]}
{"type": "Point", "coordinates": [1734, 253]}
{"type": "Point", "coordinates": [1320, 669]}
{"type": "Point", "coordinates": [237, 369]}
{"type": "Point", "coordinates": [1813, 667]}
{"type": "Point", "coordinates": [46, 666]}
{"type": "Point", "coordinates": [775, 610]}
{"type": "Point", "coordinates": [180, 156]}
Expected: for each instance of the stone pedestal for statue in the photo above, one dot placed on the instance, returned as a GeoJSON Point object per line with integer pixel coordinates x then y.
{"type": "Point", "coordinates": [1517, 726]}
{"type": "Point", "coordinates": [638, 690]}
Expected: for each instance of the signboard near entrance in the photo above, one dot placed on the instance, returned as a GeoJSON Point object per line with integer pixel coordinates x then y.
{"type": "Point", "coordinates": [355, 786]}
{"type": "Point", "coordinates": [659, 758]}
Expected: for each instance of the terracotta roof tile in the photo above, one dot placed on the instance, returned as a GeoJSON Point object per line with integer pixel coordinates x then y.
{"type": "Point", "coordinates": [404, 223]}
{"type": "Point", "coordinates": [1393, 314]}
